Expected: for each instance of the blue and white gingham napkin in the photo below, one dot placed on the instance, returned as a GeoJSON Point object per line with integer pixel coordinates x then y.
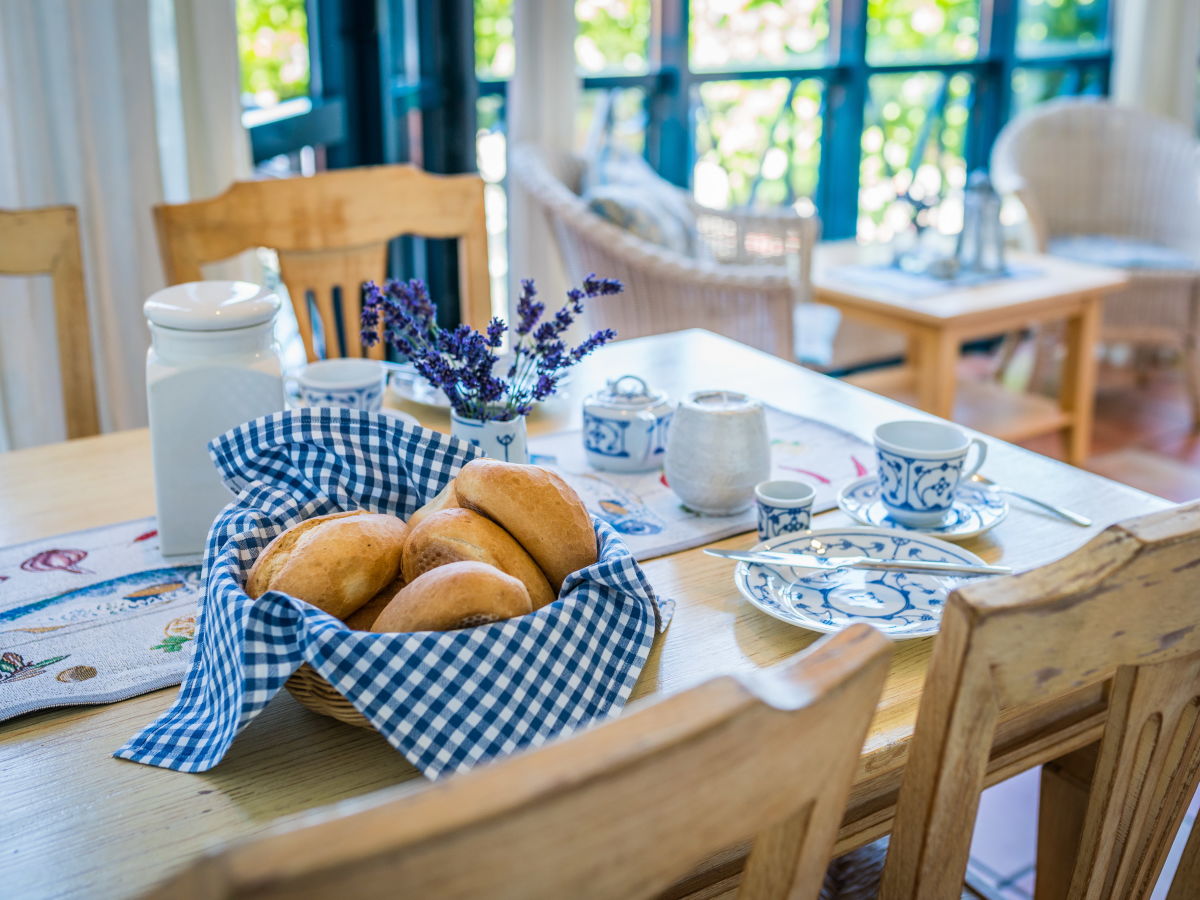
{"type": "Point", "coordinates": [446, 700]}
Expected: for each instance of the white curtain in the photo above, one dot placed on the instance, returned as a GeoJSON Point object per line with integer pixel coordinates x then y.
{"type": "Point", "coordinates": [112, 106]}
{"type": "Point", "coordinates": [543, 96]}
{"type": "Point", "coordinates": [1156, 53]}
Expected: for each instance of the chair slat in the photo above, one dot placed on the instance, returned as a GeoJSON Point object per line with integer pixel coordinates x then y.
{"type": "Point", "coordinates": [46, 242]}
{"type": "Point", "coordinates": [330, 227]}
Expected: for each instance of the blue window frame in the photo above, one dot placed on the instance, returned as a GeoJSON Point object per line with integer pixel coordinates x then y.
{"type": "Point", "coordinates": [967, 98]}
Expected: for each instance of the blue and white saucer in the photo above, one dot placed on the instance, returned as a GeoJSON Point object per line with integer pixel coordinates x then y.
{"type": "Point", "coordinates": [975, 510]}
{"type": "Point", "coordinates": [900, 604]}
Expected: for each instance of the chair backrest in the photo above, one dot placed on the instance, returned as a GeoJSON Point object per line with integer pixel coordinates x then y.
{"type": "Point", "coordinates": [1124, 607]}
{"type": "Point", "coordinates": [745, 289]}
{"type": "Point", "coordinates": [1086, 166]}
{"type": "Point", "coordinates": [331, 233]}
{"type": "Point", "coordinates": [623, 810]}
{"type": "Point", "coordinates": [46, 242]}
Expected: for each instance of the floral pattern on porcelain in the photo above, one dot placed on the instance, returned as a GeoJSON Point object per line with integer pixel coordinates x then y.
{"type": "Point", "coordinates": [919, 485]}
{"type": "Point", "coordinates": [974, 511]}
{"type": "Point", "coordinates": [776, 520]}
{"type": "Point", "coordinates": [368, 398]}
{"type": "Point", "coordinates": [900, 604]}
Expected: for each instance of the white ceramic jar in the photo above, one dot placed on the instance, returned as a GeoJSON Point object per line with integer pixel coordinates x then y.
{"type": "Point", "coordinates": [718, 450]}
{"type": "Point", "coordinates": [625, 426]}
{"type": "Point", "coordinates": [213, 364]}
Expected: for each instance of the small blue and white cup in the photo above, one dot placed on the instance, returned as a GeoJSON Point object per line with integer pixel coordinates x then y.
{"type": "Point", "coordinates": [351, 383]}
{"type": "Point", "coordinates": [784, 507]}
{"type": "Point", "coordinates": [921, 465]}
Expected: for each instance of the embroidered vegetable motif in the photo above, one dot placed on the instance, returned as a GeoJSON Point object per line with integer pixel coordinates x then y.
{"type": "Point", "coordinates": [14, 667]}
{"type": "Point", "coordinates": [177, 633]}
{"type": "Point", "coordinates": [57, 560]}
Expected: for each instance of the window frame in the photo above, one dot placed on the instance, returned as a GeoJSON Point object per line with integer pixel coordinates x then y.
{"type": "Point", "coordinates": [670, 84]}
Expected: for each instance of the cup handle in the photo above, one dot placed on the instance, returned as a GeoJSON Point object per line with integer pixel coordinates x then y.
{"type": "Point", "coordinates": [982, 447]}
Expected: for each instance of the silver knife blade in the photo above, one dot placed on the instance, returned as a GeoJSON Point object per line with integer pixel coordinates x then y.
{"type": "Point", "coordinates": [807, 561]}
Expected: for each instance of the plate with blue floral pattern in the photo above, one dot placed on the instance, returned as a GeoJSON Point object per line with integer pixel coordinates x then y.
{"type": "Point", "coordinates": [975, 510]}
{"type": "Point", "coordinates": [900, 604]}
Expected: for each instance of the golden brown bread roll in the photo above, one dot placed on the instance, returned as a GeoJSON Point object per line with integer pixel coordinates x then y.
{"type": "Point", "coordinates": [444, 499]}
{"type": "Point", "coordinates": [336, 562]}
{"type": "Point", "coordinates": [456, 595]}
{"type": "Point", "coordinates": [536, 507]}
{"type": "Point", "coordinates": [364, 617]}
{"type": "Point", "coordinates": [457, 535]}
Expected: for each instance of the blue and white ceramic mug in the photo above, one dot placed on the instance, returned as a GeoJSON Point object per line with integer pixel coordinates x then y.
{"type": "Point", "coordinates": [784, 507]}
{"type": "Point", "coordinates": [353, 383]}
{"type": "Point", "coordinates": [920, 467]}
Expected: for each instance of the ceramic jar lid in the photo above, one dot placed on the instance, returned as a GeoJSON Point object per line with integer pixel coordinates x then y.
{"type": "Point", "coordinates": [629, 392]}
{"type": "Point", "coordinates": [211, 306]}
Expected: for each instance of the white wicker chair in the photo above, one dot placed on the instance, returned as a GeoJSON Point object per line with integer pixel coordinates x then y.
{"type": "Point", "coordinates": [750, 290]}
{"type": "Point", "coordinates": [1114, 185]}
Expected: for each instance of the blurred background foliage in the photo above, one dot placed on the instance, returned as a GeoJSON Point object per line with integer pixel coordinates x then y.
{"type": "Point", "coordinates": [273, 48]}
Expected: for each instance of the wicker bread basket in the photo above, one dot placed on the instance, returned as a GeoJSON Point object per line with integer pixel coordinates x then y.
{"type": "Point", "coordinates": [314, 692]}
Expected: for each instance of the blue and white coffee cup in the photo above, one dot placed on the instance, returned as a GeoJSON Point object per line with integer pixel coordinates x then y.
{"type": "Point", "coordinates": [352, 383]}
{"type": "Point", "coordinates": [784, 507]}
{"type": "Point", "coordinates": [921, 465]}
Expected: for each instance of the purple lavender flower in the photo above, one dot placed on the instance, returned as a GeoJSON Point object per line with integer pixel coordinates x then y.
{"type": "Point", "coordinates": [462, 361]}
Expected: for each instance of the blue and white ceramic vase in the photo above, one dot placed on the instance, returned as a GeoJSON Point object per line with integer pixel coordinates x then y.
{"type": "Point", "coordinates": [504, 440]}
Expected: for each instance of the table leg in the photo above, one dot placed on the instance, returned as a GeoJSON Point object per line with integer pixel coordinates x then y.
{"type": "Point", "coordinates": [1066, 786]}
{"type": "Point", "coordinates": [1077, 396]}
{"type": "Point", "coordinates": [936, 360]}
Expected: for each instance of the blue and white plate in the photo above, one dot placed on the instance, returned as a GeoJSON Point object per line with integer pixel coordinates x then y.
{"type": "Point", "coordinates": [900, 604]}
{"type": "Point", "coordinates": [975, 510]}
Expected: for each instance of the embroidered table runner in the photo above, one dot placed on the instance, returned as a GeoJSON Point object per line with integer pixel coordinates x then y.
{"type": "Point", "coordinates": [915, 286]}
{"type": "Point", "coordinates": [92, 617]}
{"type": "Point", "coordinates": [98, 616]}
{"type": "Point", "coordinates": [652, 520]}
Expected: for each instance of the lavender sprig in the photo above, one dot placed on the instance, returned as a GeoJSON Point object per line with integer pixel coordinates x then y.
{"type": "Point", "coordinates": [462, 361]}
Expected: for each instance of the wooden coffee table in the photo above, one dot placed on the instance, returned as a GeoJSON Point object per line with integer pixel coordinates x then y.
{"type": "Point", "coordinates": [936, 325]}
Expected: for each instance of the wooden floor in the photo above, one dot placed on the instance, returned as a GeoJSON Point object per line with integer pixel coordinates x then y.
{"type": "Point", "coordinates": [1143, 433]}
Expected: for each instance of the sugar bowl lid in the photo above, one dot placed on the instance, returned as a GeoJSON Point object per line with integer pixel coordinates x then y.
{"type": "Point", "coordinates": [211, 306]}
{"type": "Point", "coordinates": [628, 392]}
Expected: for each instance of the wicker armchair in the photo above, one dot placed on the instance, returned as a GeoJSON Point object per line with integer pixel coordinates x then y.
{"type": "Point", "coordinates": [1117, 186]}
{"type": "Point", "coordinates": [752, 289]}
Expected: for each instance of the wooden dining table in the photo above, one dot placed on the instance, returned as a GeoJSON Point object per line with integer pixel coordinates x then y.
{"type": "Point", "coordinates": [78, 823]}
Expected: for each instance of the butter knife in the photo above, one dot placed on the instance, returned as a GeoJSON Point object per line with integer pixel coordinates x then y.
{"type": "Point", "coordinates": [806, 561]}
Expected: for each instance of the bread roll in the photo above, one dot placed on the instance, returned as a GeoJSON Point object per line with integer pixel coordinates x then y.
{"type": "Point", "coordinates": [364, 617]}
{"type": "Point", "coordinates": [536, 507]}
{"type": "Point", "coordinates": [445, 499]}
{"type": "Point", "coordinates": [336, 562]}
{"type": "Point", "coordinates": [457, 595]}
{"type": "Point", "coordinates": [458, 535]}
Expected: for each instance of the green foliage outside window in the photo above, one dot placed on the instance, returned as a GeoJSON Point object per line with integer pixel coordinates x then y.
{"type": "Point", "coordinates": [273, 48]}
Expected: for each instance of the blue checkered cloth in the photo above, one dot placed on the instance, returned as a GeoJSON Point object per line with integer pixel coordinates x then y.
{"type": "Point", "coordinates": [446, 700]}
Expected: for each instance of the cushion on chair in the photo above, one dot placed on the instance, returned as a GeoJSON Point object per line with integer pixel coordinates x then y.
{"type": "Point", "coordinates": [645, 194]}
{"type": "Point", "coordinates": [633, 209]}
{"type": "Point", "coordinates": [1122, 252]}
{"type": "Point", "coordinates": [856, 875]}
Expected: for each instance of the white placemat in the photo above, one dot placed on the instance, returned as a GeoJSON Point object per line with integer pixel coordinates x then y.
{"type": "Point", "coordinates": [92, 617]}
{"type": "Point", "coordinates": [652, 520]}
{"type": "Point", "coordinates": [912, 286]}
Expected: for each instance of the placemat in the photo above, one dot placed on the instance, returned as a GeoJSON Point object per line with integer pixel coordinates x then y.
{"type": "Point", "coordinates": [93, 617]}
{"type": "Point", "coordinates": [643, 509]}
{"type": "Point", "coordinates": [912, 286]}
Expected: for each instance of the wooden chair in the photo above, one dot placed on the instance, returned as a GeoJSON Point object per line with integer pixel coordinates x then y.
{"type": "Point", "coordinates": [46, 242]}
{"type": "Point", "coordinates": [621, 811]}
{"type": "Point", "coordinates": [1123, 609]}
{"type": "Point", "coordinates": [331, 232]}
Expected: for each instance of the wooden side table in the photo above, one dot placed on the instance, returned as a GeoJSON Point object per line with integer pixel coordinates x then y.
{"type": "Point", "coordinates": [1045, 289]}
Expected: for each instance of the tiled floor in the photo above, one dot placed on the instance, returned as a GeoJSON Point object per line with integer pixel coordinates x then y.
{"type": "Point", "coordinates": [1004, 846]}
{"type": "Point", "coordinates": [1143, 437]}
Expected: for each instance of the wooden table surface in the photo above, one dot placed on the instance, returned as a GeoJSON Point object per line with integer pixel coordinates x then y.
{"type": "Point", "coordinates": [936, 323]}
{"type": "Point", "coordinates": [78, 823]}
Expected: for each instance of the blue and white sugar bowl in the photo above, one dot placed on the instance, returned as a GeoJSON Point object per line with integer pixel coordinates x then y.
{"type": "Point", "coordinates": [625, 426]}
